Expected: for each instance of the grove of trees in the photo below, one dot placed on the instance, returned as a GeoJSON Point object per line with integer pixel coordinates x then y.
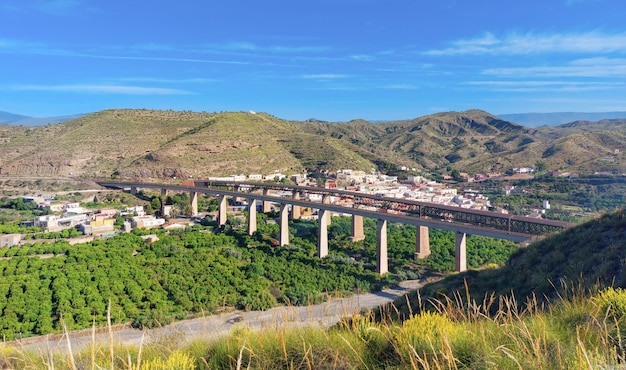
{"type": "Point", "coordinates": [203, 269]}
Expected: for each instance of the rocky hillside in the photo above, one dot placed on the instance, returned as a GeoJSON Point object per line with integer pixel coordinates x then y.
{"type": "Point", "coordinates": [161, 144]}
{"type": "Point", "coordinates": [158, 144]}
{"type": "Point", "coordinates": [468, 138]}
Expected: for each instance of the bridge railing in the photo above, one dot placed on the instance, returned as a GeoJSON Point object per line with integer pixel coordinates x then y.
{"type": "Point", "coordinates": [478, 218]}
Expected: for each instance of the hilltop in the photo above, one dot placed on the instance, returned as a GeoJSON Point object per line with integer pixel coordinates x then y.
{"type": "Point", "coordinates": [165, 144]}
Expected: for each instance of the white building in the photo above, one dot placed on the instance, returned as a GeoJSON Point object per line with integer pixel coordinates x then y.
{"type": "Point", "coordinates": [448, 192]}
{"type": "Point", "coordinates": [523, 170]}
{"type": "Point", "coordinates": [136, 210]}
{"type": "Point", "coordinates": [275, 177]}
{"type": "Point", "coordinates": [415, 179]}
{"type": "Point", "coordinates": [9, 240]}
{"type": "Point", "coordinates": [146, 222]}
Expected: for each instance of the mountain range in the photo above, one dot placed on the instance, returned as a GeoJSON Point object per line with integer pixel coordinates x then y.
{"type": "Point", "coordinates": [7, 118]}
{"type": "Point", "coordinates": [144, 143]}
{"type": "Point", "coordinates": [559, 118]}
{"type": "Point", "coordinates": [525, 119]}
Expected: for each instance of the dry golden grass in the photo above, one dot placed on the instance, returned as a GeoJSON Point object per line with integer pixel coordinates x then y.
{"type": "Point", "coordinates": [583, 330]}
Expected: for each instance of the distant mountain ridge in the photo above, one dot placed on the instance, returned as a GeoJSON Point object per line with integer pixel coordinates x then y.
{"type": "Point", "coordinates": [558, 118]}
{"type": "Point", "coordinates": [7, 118]}
{"type": "Point", "coordinates": [525, 119]}
{"type": "Point", "coordinates": [141, 143]}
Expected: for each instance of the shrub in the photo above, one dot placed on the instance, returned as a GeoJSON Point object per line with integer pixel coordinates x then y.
{"type": "Point", "coordinates": [300, 296]}
{"type": "Point", "coordinates": [424, 337]}
{"type": "Point", "coordinates": [264, 300]}
{"type": "Point", "coordinates": [612, 301]}
{"type": "Point", "coordinates": [178, 360]}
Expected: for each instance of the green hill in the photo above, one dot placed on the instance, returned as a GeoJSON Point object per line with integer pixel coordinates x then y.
{"type": "Point", "coordinates": [583, 258]}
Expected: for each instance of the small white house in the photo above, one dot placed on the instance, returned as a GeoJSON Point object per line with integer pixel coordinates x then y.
{"type": "Point", "coordinates": [147, 222]}
{"type": "Point", "coordinates": [9, 240]}
{"type": "Point", "coordinates": [136, 210]}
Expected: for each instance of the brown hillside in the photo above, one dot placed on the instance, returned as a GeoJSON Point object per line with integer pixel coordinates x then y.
{"type": "Point", "coordinates": [161, 144]}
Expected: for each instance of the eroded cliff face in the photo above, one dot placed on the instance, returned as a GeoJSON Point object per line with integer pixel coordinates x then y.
{"type": "Point", "coordinates": [161, 173]}
{"type": "Point", "coordinates": [38, 165]}
{"type": "Point", "coordinates": [49, 167]}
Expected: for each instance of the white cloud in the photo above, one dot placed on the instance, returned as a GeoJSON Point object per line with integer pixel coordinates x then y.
{"type": "Point", "coordinates": [103, 89]}
{"type": "Point", "coordinates": [245, 46]}
{"type": "Point", "coordinates": [324, 76]}
{"type": "Point", "coordinates": [553, 87]}
{"type": "Point", "coordinates": [161, 59]}
{"type": "Point", "coordinates": [11, 45]}
{"type": "Point", "coordinates": [362, 57]}
{"type": "Point", "coordinates": [400, 87]}
{"type": "Point", "coordinates": [159, 52]}
{"type": "Point", "coordinates": [573, 2]}
{"type": "Point", "coordinates": [170, 81]}
{"type": "Point", "coordinates": [591, 67]}
{"type": "Point", "coordinates": [544, 83]}
{"type": "Point", "coordinates": [297, 49]}
{"type": "Point", "coordinates": [516, 44]}
{"type": "Point", "coordinates": [57, 6]}
{"type": "Point", "coordinates": [51, 7]}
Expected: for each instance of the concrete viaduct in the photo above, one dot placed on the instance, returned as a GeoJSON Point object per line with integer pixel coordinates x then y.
{"type": "Point", "coordinates": [420, 214]}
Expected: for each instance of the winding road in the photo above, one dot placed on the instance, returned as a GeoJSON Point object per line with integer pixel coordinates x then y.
{"type": "Point", "coordinates": [215, 326]}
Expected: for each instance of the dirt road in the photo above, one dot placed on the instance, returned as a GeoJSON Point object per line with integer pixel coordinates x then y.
{"type": "Point", "coordinates": [214, 326]}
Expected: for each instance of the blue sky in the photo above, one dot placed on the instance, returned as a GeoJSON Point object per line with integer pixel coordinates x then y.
{"type": "Point", "coordinates": [333, 60]}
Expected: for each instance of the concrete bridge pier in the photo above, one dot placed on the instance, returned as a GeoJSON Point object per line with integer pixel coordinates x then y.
{"type": "Point", "coordinates": [326, 200]}
{"type": "Point", "coordinates": [266, 204]}
{"type": "Point", "coordinates": [381, 247]}
{"type": "Point", "coordinates": [322, 234]}
{"type": "Point", "coordinates": [422, 242]}
{"type": "Point", "coordinates": [251, 216]}
{"type": "Point", "coordinates": [133, 190]}
{"type": "Point", "coordinates": [193, 200]}
{"type": "Point", "coordinates": [460, 252]}
{"type": "Point", "coordinates": [357, 229]}
{"type": "Point", "coordinates": [295, 210]}
{"type": "Point", "coordinates": [284, 225]}
{"type": "Point", "coordinates": [222, 207]}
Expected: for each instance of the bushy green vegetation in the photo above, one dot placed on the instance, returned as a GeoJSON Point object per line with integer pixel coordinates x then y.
{"type": "Point", "coordinates": [201, 271]}
{"type": "Point", "coordinates": [546, 308]}
{"type": "Point", "coordinates": [63, 234]}
{"type": "Point", "coordinates": [401, 238]}
{"type": "Point", "coordinates": [153, 284]}
{"type": "Point", "coordinates": [12, 210]}
{"type": "Point", "coordinates": [587, 193]}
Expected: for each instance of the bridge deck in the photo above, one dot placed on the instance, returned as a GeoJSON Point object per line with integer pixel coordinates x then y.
{"type": "Point", "coordinates": [476, 222]}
